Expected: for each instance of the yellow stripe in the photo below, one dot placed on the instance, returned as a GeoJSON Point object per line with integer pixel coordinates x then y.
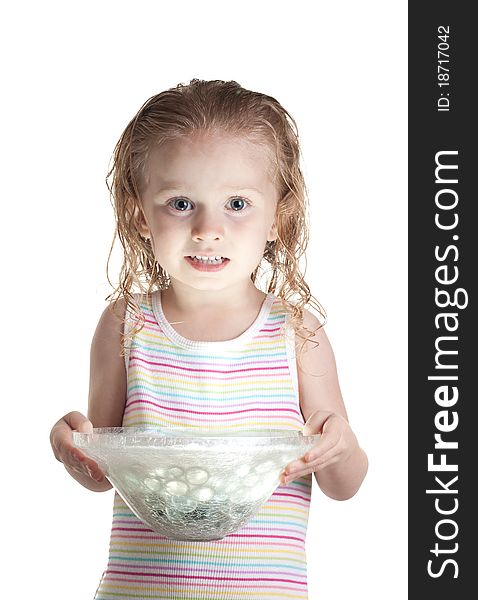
{"type": "Point", "coordinates": [146, 336]}
{"type": "Point", "coordinates": [240, 556]}
{"type": "Point", "coordinates": [136, 376]}
{"type": "Point", "coordinates": [194, 551]}
{"type": "Point", "coordinates": [143, 420]}
{"type": "Point", "coordinates": [175, 590]}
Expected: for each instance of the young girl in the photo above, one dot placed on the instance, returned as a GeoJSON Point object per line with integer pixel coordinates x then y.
{"type": "Point", "coordinates": [209, 197]}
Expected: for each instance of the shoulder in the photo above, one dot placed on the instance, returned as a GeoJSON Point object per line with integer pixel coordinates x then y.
{"type": "Point", "coordinates": [107, 368]}
{"type": "Point", "coordinates": [111, 321]}
{"type": "Point", "coordinates": [314, 352]}
{"type": "Point", "coordinates": [319, 387]}
{"type": "Point", "coordinates": [311, 322]}
{"type": "Point", "coordinates": [107, 342]}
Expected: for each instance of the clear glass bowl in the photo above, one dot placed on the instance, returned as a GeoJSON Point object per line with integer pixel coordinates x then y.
{"type": "Point", "coordinates": [190, 485]}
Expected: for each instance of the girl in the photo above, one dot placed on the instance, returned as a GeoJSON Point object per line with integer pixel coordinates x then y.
{"type": "Point", "coordinates": [209, 197]}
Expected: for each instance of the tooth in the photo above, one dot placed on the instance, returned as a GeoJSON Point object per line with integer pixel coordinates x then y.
{"type": "Point", "coordinates": [208, 259]}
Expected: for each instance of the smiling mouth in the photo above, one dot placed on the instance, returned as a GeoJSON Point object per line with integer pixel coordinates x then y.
{"type": "Point", "coordinates": [208, 260]}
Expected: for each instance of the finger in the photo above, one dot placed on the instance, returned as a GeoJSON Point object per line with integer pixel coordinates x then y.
{"type": "Point", "coordinates": [310, 468]}
{"type": "Point", "coordinates": [61, 436]}
{"type": "Point", "coordinates": [302, 467]}
{"type": "Point", "coordinates": [287, 478]}
{"type": "Point", "coordinates": [94, 471]}
{"type": "Point", "coordinates": [326, 444]}
{"type": "Point", "coordinates": [83, 459]}
{"type": "Point", "coordinates": [61, 439]}
{"type": "Point", "coordinates": [78, 422]}
{"type": "Point", "coordinates": [325, 460]}
{"type": "Point", "coordinates": [316, 422]}
{"type": "Point", "coordinates": [297, 467]}
{"type": "Point", "coordinates": [81, 463]}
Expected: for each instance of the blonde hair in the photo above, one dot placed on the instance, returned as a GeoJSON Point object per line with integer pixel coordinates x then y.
{"type": "Point", "coordinates": [202, 106]}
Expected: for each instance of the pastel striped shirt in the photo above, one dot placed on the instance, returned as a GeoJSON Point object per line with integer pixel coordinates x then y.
{"type": "Point", "coordinates": [246, 383]}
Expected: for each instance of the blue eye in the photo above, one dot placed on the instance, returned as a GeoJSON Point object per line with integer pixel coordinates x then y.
{"type": "Point", "coordinates": [180, 204]}
{"type": "Point", "coordinates": [237, 204]}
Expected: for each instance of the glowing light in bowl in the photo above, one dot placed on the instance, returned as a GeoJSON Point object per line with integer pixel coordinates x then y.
{"type": "Point", "coordinates": [190, 485]}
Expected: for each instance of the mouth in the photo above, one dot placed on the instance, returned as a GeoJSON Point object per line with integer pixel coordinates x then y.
{"type": "Point", "coordinates": [208, 260]}
{"type": "Point", "coordinates": [207, 263]}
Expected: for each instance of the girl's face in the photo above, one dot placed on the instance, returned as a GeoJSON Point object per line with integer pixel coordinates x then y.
{"type": "Point", "coordinates": [209, 203]}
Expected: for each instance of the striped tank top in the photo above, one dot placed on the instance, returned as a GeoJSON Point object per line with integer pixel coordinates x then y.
{"type": "Point", "coordinates": [246, 383]}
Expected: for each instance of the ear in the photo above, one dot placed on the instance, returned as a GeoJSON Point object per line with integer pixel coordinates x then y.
{"type": "Point", "coordinates": [272, 235]}
{"type": "Point", "coordinates": [140, 222]}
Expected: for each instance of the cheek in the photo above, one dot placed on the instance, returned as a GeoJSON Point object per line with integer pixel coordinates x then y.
{"type": "Point", "coordinates": [165, 240]}
{"type": "Point", "coordinates": [166, 228]}
{"type": "Point", "coordinates": [252, 238]}
{"type": "Point", "coordinates": [256, 226]}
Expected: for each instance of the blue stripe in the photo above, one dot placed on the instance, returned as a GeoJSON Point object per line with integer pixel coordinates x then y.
{"type": "Point", "coordinates": [209, 562]}
{"type": "Point", "coordinates": [203, 398]}
{"type": "Point", "coordinates": [204, 357]}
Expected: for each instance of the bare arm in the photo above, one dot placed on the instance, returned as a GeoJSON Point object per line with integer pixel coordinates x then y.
{"type": "Point", "coordinates": [338, 462]}
{"type": "Point", "coordinates": [106, 401]}
{"type": "Point", "coordinates": [107, 394]}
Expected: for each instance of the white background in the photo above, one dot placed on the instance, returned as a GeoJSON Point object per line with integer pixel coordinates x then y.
{"type": "Point", "coordinates": [74, 75]}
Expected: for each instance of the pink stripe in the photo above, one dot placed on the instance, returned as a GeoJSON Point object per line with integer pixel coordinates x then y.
{"type": "Point", "coordinates": [305, 498]}
{"type": "Point", "coordinates": [186, 573]}
{"type": "Point", "coordinates": [198, 584]}
{"type": "Point", "coordinates": [213, 578]}
{"type": "Point", "coordinates": [207, 413]}
{"type": "Point", "coordinates": [134, 520]}
{"type": "Point", "coordinates": [260, 530]}
{"type": "Point", "coordinates": [268, 537]}
{"type": "Point", "coordinates": [237, 543]}
{"type": "Point", "coordinates": [140, 396]}
{"type": "Point", "coordinates": [199, 421]}
{"type": "Point", "coordinates": [279, 363]}
{"type": "Point", "coordinates": [124, 568]}
{"type": "Point", "coordinates": [172, 366]}
{"type": "Point", "coordinates": [139, 369]}
{"type": "Point", "coordinates": [152, 321]}
{"type": "Point", "coordinates": [195, 420]}
{"type": "Point", "coordinates": [143, 356]}
{"type": "Point", "coordinates": [246, 421]}
{"type": "Point", "coordinates": [212, 378]}
{"type": "Point", "coordinates": [142, 529]}
{"type": "Point", "coordinates": [291, 503]}
{"type": "Point", "coordinates": [183, 360]}
{"type": "Point", "coordinates": [232, 535]}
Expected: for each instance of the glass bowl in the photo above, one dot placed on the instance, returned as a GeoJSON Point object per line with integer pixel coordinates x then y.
{"type": "Point", "coordinates": [193, 485]}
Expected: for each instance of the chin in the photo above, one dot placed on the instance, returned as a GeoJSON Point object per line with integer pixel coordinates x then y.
{"type": "Point", "coordinates": [202, 284]}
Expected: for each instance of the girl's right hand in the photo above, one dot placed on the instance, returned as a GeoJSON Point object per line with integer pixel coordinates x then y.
{"type": "Point", "coordinates": [61, 439]}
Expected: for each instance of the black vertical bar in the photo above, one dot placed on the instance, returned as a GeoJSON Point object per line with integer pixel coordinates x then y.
{"type": "Point", "coordinates": [442, 300]}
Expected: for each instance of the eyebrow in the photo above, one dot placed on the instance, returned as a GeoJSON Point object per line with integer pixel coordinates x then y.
{"type": "Point", "coordinates": [173, 187]}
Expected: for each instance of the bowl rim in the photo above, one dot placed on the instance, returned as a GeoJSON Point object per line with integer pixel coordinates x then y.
{"type": "Point", "coordinates": [159, 436]}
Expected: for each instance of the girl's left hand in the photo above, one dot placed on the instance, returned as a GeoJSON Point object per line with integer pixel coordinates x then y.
{"type": "Point", "coordinates": [336, 444]}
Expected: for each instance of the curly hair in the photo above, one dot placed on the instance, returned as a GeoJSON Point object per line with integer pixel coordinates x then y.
{"type": "Point", "coordinates": [202, 106]}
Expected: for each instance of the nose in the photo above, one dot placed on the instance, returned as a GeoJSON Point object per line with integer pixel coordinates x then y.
{"type": "Point", "coordinates": [207, 226]}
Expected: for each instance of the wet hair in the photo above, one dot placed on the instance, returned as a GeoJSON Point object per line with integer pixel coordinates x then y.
{"type": "Point", "coordinates": [213, 106]}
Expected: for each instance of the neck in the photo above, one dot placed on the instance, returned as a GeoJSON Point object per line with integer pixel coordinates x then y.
{"type": "Point", "coordinates": [184, 300]}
